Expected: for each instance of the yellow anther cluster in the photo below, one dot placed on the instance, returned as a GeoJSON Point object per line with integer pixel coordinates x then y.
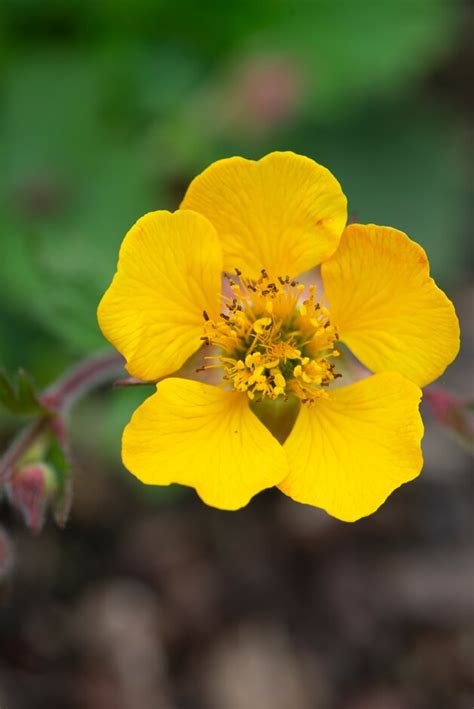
{"type": "Point", "coordinates": [272, 344]}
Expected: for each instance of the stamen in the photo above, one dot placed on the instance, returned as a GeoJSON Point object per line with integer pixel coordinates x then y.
{"type": "Point", "coordinates": [272, 344]}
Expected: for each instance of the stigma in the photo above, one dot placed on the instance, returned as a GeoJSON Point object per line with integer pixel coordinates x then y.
{"type": "Point", "coordinates": [274, 341]}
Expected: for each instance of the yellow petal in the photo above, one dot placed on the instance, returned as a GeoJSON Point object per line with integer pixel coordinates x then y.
{"type": "Point", "coordinates": [284, 213]}
{"type": "Point", "coordinates": [350, 451]}
{"type": "Point", "coordinates": [169, 271]}
{"type": "Point", "coordinates": [386, 307]}
{"type": "Point", "coordinates": [201, 436]}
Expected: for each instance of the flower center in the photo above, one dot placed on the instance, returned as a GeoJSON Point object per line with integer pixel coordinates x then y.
{"type": "Point", "coordinates": [273, 344]}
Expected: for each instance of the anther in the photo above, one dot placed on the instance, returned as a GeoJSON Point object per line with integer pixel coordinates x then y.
{"type": "Point", "coordinates": [261, 341]}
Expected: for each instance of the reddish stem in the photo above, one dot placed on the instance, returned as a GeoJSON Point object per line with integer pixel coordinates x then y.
{"type": "Point", "coordinates": [57, 400]}
{"type": "Point", "coordinates": [80, 379]}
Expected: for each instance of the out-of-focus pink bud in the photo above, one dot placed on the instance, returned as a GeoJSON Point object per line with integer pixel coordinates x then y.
{"type": "Point", "coordinates": [442, 404]}
{"type": "Point", "coordinates": [452, 412]}
{"type": "Point", "coordinates": [271, 89]}
{"type": "Point", "coordinates": [30, 490]}
{"type": "Point", "coordinates": [260, 93]}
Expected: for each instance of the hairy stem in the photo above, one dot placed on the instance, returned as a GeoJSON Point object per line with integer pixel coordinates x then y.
{"type": "Point", "coordinates": [57, 400]}
{"type": "Point", "coordinates": [81, 379]}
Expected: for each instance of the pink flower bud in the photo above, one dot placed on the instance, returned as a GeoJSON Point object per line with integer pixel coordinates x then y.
{"type": "Point", "coordinates": [443, 405]}
{"type": "Point", "coordinates": [30, 489]}
{"type": "Point", "coordinates": [271, 89]}
{"type": "Point", "coordinates": [452, 412]}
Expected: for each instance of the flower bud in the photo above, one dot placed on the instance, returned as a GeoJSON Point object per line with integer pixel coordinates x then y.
{"type": "Point", "coordinates": [450, 411]}
{"type": "Point", "coordinates": [30, 490]}
{"type": "Point", "coordinates": [443, 405]}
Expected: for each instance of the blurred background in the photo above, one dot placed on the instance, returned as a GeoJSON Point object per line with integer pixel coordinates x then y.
{"type": "Point", "coordinates": [148, 599]}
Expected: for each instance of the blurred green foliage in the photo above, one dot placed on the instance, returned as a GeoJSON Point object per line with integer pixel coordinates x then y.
{"type": "Point", "coordinates": [109, 108]}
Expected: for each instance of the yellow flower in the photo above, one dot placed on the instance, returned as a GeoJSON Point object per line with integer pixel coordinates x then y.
{"type": "Point", "coordinates": [267, 222]}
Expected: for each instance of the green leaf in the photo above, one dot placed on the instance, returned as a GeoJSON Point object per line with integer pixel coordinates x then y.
{"type": "Point", "coordinates": [60, 458]}
{"type": "Point", "coordinates": [28, 401]}
{"type": "Point", "coordinates": [19, 398]}
{"type": "Point", "coordinates": [7, 392]}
